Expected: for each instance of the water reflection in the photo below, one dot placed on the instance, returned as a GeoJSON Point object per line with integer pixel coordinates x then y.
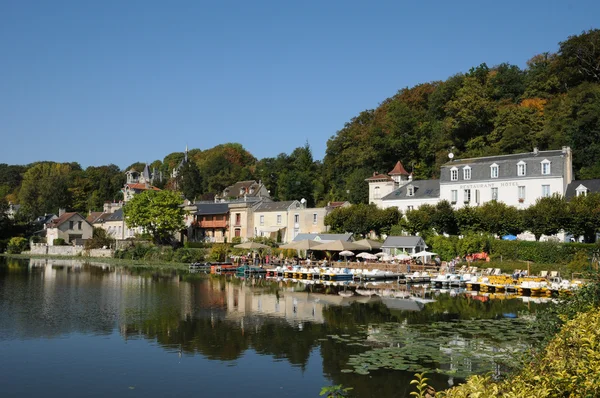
{"type": "Point", "coordinates": [223, 318]}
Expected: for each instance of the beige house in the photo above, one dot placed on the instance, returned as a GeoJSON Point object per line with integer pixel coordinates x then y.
{"type": "Point", "coordinates": [271, 218]}
{"type": "Point", "coordinates": [241, 219]}
{"type": "Point", "coordinates": [68, 226]}
{"type": "Point", "coordinates": [306, 221]}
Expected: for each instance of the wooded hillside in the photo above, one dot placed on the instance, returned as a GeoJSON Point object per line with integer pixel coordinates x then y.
{"type": "Point", "coordinates": [495, 110]}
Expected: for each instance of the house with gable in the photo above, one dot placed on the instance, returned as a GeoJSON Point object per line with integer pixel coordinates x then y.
{"type": "Point", "coordinates": [138, 182]}
{"type": "Point", "coordinates": [69, 226]}
{"type": "Point", "coordinates": [582, 188]}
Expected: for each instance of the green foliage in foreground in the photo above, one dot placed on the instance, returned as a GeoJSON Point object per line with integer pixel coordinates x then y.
{"type": "Point", "coordinates": [158, 212]}
{"type": "Point", "coordinates": [17, 245]}
{"type": "Point", "coordinates": [569, 367]}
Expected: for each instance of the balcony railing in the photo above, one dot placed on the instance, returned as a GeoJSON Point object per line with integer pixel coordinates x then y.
{"type": "Point", "coordinates": [211, 224]}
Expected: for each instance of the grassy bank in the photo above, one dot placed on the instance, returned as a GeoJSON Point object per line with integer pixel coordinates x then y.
{"type": "Point", "coordinates": [108, 260]}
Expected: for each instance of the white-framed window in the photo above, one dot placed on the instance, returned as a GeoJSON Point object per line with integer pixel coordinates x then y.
{"type": "Point", "coordinates": [467, 173]}
{"type": "Point", "coordinates": [376, 193]}
{"type": "Point", "coordinates": [409, 208]}
{"type": "Point", "coordinates": [494, 193]}
{"type": "Point", "coordinates": [454, 174]}
{"type": "Point", "coordinates": [581, 190]}
{"type": "Point", "coordinates": [454, 196]}
{"type": "Point", "coordinates": [296, 218]}
{"type": "Point", "coordinates": [410, 190]}
{"type": "Point", "coordinates": [315, 218]}
{"type": "Point", "coordinates": [545, 191]}
{"type": "Point", "coordinates": [467, 196]}
{"type": "Point", "coordinates": [477, 198]}
{"type": "Point", "coordinates": [262, 220]}
{"type": "Point", "coordinates": [494, 171]}
{"type": "Point", "coordinates": [546, 167]}
{"type": "Point", "coordinates": [521, 168]}
{"type": "Point", "coordinates": [521, 193]}
{"type": "Point", "coordinates": [278, 219]}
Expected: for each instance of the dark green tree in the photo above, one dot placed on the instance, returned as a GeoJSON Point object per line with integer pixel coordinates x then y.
{"type": "Point", "coordinates": [190, 181]}
{"type": "Point", "coordinates": [546, 217]}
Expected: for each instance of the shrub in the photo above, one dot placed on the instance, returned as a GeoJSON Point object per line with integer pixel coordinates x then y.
{"type": "Point", "coordinates": [59, 242]}
{"type": "Point", "coordinates": [17, 245]}
{"type": "Point", "coordinates": [190, 255]}
{"type": "Point", "coordinates": [196, 245]}
{"type": "Point", "coordinates": [445, 247]}
{"type": "Point", "coordinates": [100, 239]}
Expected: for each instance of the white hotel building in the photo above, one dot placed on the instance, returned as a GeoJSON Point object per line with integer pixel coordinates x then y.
{"type": "Point", "coordinates": [517, 180]}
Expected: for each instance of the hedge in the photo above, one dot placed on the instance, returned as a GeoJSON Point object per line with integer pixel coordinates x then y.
{"type": "Point", "coordinates": [162, 253]}
{"type": "Point", "coordinates": [517, 250]}
{"type": "Point", "coordinates": [541, 252]}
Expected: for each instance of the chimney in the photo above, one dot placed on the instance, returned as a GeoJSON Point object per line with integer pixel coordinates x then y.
{"type": "Point", "coordinates": [61, 211]}
{"type": "Point", "coordinates": [536, 151]}
{"type": "Point", "coordinates": [410, 177]}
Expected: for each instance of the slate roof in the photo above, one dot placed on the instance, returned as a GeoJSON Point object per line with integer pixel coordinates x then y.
{"type": "Point", "coordinates": [507, 166]}
{"type": "Point", "coordinates": [235, 189]}
{"type": "Point", "coordinates": [423, 189]}
{"type": "Point", "coordinates": [116, 216]}
{"type": "Point", "coordinates": [211, 208]}
{"type": "Point", "coordinates": [45, 219]}
{"type": "Point", "coordinates": [276, 206]}
{"type": "Point", "coordinates": [593, 186]}
{"type": "Point", "coordinates": [403, 241]}
{"type": "Point", "coordinates": [324, 237]}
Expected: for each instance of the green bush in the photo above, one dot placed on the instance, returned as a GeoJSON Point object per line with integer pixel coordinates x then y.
{"type": "Point", "coordinates": [236, 240]}
{"type": "Point", "coordinates": [196, 245]}
{"type": "Point", "coordinates": [17, 245]}
{"type": "Point", "coordinates": [59, 242]}
{"type": "Point", "coordinates": [444, 247]}
{"type": "Point", "coordinates": [190, 255]}
{"type": "Point", "coordinates": [542, 252]}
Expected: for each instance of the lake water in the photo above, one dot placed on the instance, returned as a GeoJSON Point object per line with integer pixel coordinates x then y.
{"type": "Point", "coordinates": [70, 329]}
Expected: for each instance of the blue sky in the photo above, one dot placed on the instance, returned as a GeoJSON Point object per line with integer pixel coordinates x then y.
{"type": "Point", "coordinates": [125, 81]}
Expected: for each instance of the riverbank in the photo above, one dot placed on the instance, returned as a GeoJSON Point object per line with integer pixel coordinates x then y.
{"type": "Point", "coordinates": [108, 260]}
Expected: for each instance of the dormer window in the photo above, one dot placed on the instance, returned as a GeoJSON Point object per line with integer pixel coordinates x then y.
{"type": "Point", "coordinates": [521, 168]}
{"type": "Point", "coordinates": [467, 173]}
{"type": "Point", "coordinates": [454, 174]}
{"type": "Point", "coordinates": [581, 191]}
{"type": "Point", "coordinates": [410, 190]}
{"type": "Point", "coordinates": [546, 167]}
{"type": "Point", "coordinates": [242, 191]}
{"type": "Point", "coordinates": [494, 171]}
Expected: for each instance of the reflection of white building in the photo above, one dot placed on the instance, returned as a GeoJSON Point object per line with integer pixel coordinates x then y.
{"type": "Point", "coordinates": [517, 180]}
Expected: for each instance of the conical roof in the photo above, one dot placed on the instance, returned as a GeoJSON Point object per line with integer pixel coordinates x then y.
{"type": "Point", "coordinates": [398, 170]}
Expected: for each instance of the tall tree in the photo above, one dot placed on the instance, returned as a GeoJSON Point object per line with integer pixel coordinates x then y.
{"type": "Point", "coordinates": [45, 188]}
{"type": "Point", "coordinates": [158, 212]}
{"type": "Point", "coordinates": [546, 217]}
{"type": "Point", "coordinates": [191, 181]}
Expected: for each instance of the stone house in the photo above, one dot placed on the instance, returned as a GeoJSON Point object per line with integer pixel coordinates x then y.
{"type": "Point", "coordinates": [68, 226]}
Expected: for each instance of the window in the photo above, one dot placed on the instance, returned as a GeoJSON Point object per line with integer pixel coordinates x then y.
{"type": "Point", "coordinates": [262, 220]}
{"type": "Point", "coordinates": [278, 219]}
{"type": "Point", "coordinates": [521, 168]}
{"type": "Point", "coordinates": [238, 232]}
{"type": "Point", "coordinates": [79, 223]}
{"type": "Point", "coordinates": [467, 195]}
{"type": "Point", "coordinates": [71, 224]}
{"type": "Point", "coordinates": [494, 171]}
{"type": "Point", "coordinates": [376, 193]}
{"type": "Point", "coordinates": [494, 193]}
{"type": "Point", "coordinates": [410, 190]}
{"type": "Point", "coordinates": [296, 218]}
{"type": "Point", "coordinates": [454, 174]}
{"type": "Point", "coordinates": [477, 196]}
{"type": "Point", "coordinates": [467, 173]}
{"type": "Point", "coordinates": [454, 196]}
{"type": "Point", "coordinates": [315, 218]}
{"type": "Point", "coordinates": [545, 191]}
{"type": "Point", "coordinates": [546, 167]}
{"type": "Point", "coordinates": [521, 193]}
{"type": "Point", "coordinates": [581, 190]}
{"type": "Point", "coordinates": [410, 208]}
{"type": "Point", "coordinates": [238, 219]}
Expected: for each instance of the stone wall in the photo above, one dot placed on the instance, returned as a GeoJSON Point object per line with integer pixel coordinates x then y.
{"type": "Point", "coordinates": [99, 253]}
{"type": "Point", "coordinates": [41, 248]}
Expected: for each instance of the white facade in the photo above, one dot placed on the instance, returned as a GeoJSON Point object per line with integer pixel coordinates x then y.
{"type": "Point", "coordinates": [517, 180]}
